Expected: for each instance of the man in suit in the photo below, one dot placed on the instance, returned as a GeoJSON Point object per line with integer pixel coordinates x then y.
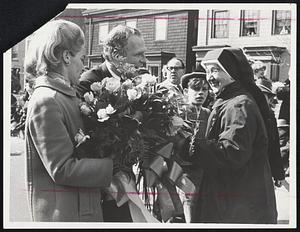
{"type": "Point", "coordinates": [174, 71]}
{"type": "Point", "coordinates": [124, 53]}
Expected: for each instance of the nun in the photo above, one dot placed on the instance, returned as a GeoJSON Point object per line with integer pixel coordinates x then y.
{"type": "Point", "coordinates": [237, 184]}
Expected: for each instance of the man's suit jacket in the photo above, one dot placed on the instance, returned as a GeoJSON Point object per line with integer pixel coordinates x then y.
{"type": "Point", "coordinates": [111, 212]}
{"type": "Point", "coordinates": [89, 77]}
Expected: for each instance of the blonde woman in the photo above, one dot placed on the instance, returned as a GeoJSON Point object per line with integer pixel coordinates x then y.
{"type": "Point", "coordinates": [60, 187]}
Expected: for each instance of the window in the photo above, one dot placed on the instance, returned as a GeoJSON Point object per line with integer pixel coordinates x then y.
{"type": "Point", "coordinates": [161, 23]}
{"type": "Point", "coordinates": [220, 24]}
{"type": "Point", "coordinates": [131, 23]}
{"type": "Point", "coordinates": [14, 52]}
{"type": "Point", "coordinates": [154, 70]}
{"type": "Point", "coordinates": [281, 22]}
{"type": "Point", "coordinates": [103, 32]}
{"type": "Point", "coordinates": [249, 22]}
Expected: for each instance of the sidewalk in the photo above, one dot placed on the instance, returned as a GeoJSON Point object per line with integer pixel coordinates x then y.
{"type": "Point", "coordinates": [18, 199]}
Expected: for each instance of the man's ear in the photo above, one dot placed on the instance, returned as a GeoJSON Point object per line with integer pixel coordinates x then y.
{"type": "Point", "coordinates": [117, 56]}
{"type": "Point", "coordinates": [66, 56]}
{"type": "Point", "coordinates": [185, 91]}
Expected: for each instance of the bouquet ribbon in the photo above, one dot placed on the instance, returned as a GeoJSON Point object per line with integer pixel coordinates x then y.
{"type": "Point", "coordinates": [166, 174]}
{"type": "Point", "coordinates": [123, 189]}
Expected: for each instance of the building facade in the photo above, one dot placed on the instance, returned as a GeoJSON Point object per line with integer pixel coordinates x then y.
{"type": "Point", "coordinates": [264, 35]}
{"type": "Point", "coordinates": [17, 61]}
{"type": "Point", "coordinates": [167, 33]}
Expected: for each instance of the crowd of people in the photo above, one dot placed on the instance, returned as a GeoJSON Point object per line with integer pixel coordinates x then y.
{"type": "Point", "coordinates": [239, 149]}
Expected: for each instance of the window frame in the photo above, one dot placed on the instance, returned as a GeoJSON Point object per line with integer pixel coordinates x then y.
{"type": "Point", "coordinates": [102, 24]}
{"type": "Point", "coordinates": [166, 27]}
{"type": "Point", "coordinates": [213, 31]}
{"type": "Point", "coordinates": [274, 16]}
{"type": "Point", "coordinates": [242, 21]}
{"type": "Point", "coordinates": [15, 52]}
{"type": "Point", "coordinates": [131, 20]}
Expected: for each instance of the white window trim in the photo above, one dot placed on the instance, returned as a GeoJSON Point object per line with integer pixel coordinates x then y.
{"type": "Point", "coordinates": [131, 20]}
{"type": "Point", "coordinates": [274, 15]}
{"type": "Point", "coordinates": [242, 26]}
{"type": "Point", "coordinates": [166, 28]}
{"type": "Point", "coordinates": [102, 24]}
{"type": "Point", "coordinates": [213, 33]}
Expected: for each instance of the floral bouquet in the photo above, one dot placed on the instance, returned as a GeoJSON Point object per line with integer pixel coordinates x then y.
{"type": "Point", "coordinates": [133, 123]}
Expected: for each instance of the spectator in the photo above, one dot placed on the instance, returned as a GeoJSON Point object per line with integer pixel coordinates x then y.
{"type": "Point", "coordinates": [196, 89]}
{"type": "Point", "coordinates": [259, 70]}
{"type": "Point", "coordinates": [174, 70]}
{"type": "Point", "coordinates": [283, 93]}
{"type": "Point", "coordinates": [284, 140]}
{"type": "Point", "coordinates": [15, 80]}
{"type": "Point", "coordinates": [274, 146]}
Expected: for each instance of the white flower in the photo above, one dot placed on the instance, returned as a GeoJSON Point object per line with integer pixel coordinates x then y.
{"type": "Point", "coordinates": [102, 115]}
{"type": "Point", "coordinates": [109, 109]}
{"type": "Point", "coordinates": [88, 97]}
{"type": "Point", "coordinates": [133, 94]}
{"type": "Point", "coordinates": [80, 137]}
{"type": "Point", "coordinates": [96, 86]}
{"type": "Point", "coordinates": [111, 84]}
{"type": "Point", "coordinates": [85, 109]}
{"type": "Point", "coordinates": [177, 121]}
{"type": "Point", "coordinates": [127, 84]}
{"type": "Point", "coordinates": [149, 79]}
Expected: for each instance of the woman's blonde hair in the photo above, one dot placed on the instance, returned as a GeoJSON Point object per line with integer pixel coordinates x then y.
{"type": "Point", "coordinates": [48, 43]}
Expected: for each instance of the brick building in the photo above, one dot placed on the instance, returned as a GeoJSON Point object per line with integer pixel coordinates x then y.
{"type": "Point", "coordinates": [264, 34]}
{"type": "Point", "coordinates": [166, 33]}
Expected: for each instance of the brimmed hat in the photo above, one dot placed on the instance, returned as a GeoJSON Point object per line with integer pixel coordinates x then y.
{"type": "Point", "coordinates": [265, 86]}
{"type": "Point", "coordinates": [282, 123]}
{"type": "Point", "coordinates": [185, 78]}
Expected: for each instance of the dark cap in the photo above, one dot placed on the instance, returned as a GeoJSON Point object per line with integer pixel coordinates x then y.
{"type": "Point", "coordinates": [185, 78]}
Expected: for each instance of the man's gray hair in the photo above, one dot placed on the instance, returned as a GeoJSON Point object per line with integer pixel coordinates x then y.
{"type": "Point", "coordinates": [116, 41]}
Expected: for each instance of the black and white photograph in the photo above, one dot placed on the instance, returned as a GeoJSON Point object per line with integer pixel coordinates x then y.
{"type": "Point", "coordinates": [153, 115]}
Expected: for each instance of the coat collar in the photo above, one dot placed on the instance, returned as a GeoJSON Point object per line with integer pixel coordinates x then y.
{"type": "Point", "coordinates": [50, 82]}
{"type": "Point", "coordinates": [232, 90]}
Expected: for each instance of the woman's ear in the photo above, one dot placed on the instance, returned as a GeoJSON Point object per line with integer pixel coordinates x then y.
{"type": "Point", "coordinates": [66, 57]}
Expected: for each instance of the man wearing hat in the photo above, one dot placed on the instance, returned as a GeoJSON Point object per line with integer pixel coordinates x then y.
{"type": "Point", "coordinates": [195, 88]}
{"type": "Point", "coordinates": [237, 184]}
{"type": "Point", "coordinates": [276, 162]}
{"type": "Point", "coordinates": [284, 141]}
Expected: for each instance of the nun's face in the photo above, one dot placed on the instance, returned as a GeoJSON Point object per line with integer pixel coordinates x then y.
{"type": "Point", "coordinates": [217, 77]}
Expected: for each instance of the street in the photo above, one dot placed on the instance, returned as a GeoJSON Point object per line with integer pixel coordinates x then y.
{"type": "Point", "coordinates": [18, 199]}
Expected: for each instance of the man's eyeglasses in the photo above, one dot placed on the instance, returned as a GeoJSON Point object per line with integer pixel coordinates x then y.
{"type": "Point", "coordinates": [174, 68]}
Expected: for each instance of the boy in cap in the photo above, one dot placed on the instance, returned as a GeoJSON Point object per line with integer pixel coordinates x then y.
{"type": "Point", "coordinates": [195, 88]}
{"type": "Point", "coordinates": [274, 147]}
{"type": "Point", "coordinates": [237, 184]}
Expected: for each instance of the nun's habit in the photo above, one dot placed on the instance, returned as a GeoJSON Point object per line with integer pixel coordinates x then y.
{"type": "Point", "coordinates": [237, 186]}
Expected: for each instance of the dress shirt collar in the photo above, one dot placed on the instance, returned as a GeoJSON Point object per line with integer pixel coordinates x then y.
{"type": "Point", "coordinates": [109, 67]}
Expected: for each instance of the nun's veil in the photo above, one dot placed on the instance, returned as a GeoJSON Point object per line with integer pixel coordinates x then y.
{"type": "Point", "coordinates": [237, 66]}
